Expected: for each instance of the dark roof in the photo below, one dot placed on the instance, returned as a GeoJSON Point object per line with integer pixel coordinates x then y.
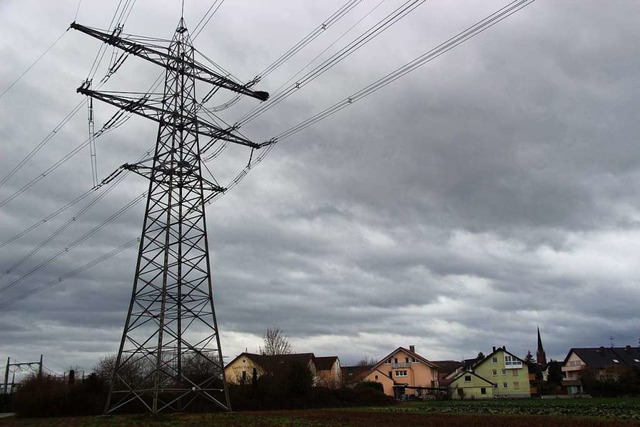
{"type": "Point", "coordinates": [603, 357]}
{"type": "Point", "coordinates": [355, 373]}
{"type": "Point", "coordinates": [265, 361]}
{"type": "Point", "coordinates": [445, 367]}
{"type": "Point", "coordinates": [325, 363]}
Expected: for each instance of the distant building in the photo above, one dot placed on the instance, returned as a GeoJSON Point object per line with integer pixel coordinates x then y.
{"type": "Point", "coordinates": [326, 371]}
{"type": "Point", "coordinates": [604, 363]}
{"type": "Point", "coordinates": [541, 356]}
{"type": "Point", "coordinates": [403, 372]}
{"type": "Point", "coordinates": [500, 374]}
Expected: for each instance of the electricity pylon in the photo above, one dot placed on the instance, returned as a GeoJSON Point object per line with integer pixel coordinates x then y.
{"type": "Point", "coordinates": [170, 355]}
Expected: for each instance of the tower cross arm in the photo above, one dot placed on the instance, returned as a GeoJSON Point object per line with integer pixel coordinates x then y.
{"type": "Point", "coordinates": [144, 107]}
{"type": "Point", "coordinates": [157, 56]}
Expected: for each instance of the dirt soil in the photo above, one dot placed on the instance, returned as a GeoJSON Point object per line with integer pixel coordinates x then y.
{"type": "Point", "coordinates": [322, 418]}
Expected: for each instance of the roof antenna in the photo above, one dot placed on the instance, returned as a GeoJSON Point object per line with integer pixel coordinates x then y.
{"type": "Point", "coordinates": [182, 12]}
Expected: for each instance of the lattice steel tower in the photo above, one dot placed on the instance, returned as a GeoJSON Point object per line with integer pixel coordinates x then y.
{"type": "Point", "coordinates": [170, 355]}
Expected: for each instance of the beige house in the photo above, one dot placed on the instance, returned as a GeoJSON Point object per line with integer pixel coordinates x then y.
{"type": "Point", "coordinates": [326, 371]}
{"type": "Point", "coordinates": [404, 372]}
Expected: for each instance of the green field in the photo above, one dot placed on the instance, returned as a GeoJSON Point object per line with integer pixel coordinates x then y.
{"type": "Point", "coordinates": [622, 409]}
{"type": "Point", "coordinates": [494, 413]}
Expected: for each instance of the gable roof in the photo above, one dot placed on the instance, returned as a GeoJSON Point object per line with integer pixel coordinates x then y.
{"type": "Point", "coordinates": [446, 367]}
{"type": "Point", "coordinates": [408, 352]}
{"type": "Point", "coordinates": [495, 351]}
{"type": "Point", "coordinates": [325, 363]}
{"type": "Point", "coordinates": [263, 360]}
{"type": "Point", "coordinates": [463, 373]}
{"type": "Point", "coordinates": [355, 373]}
{"type": "Point", "coordinates": [603, 357]}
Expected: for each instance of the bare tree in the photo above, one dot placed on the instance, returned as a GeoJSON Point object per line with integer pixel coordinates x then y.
{"type": "Point", "coordinates": [366, 361]}
{"type": "Point", "coordinates": [275, 342]}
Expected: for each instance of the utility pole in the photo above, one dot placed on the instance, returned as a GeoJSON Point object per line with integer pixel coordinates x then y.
{"type": "Point", "coordinates": [6, 376]}
{"type": "Point", "coordinates": [19, 366]}
{"type": "Point", "coordinates": [171, 331]}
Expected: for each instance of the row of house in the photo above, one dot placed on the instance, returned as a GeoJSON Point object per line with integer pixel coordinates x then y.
{"type": "Point", "coordinates": [404, 373]}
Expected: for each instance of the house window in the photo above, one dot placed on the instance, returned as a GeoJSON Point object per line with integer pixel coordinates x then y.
{"type": "Point", "coordinates": [510, 361]}
{"type": "Point", "coordinates": [406, 359]}
{"type": "Point", "coordinates": [414, 360]}
{"type": "Point", "coordinates": [494, 360]}
{"type": "Point", "coordinates": [504, 372]}
{"type": "Point", "coordinates": [494, 372]}
{"type": "Point", "coordinates": [389, 361]}
{"type": "Point", "coordinates": [390, 374]}
{"type": "Point", "coordinates": [376, 378]}
{"type": "Point", "coordinates": [515, 372]}
{"type": "Point", "coordinates": [483, 390]}
{"type": "Point", "coordinates": [467, 378]}
{"type": "Point", "coordinates": [516, 385]}
{"type": "Point", "coordinates": [401, 373]}
{"type": "Point", "coordinates": [395, 360]}
{"type": "Point", "coordinates": [505, 385]}
{"type": "Point", "coordinates": [244, 375]}
{"type": "Point", "coordinates": [495, 386]}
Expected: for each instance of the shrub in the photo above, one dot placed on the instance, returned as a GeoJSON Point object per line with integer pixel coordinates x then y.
{"type": "Point", "coordinates": [51, 396]}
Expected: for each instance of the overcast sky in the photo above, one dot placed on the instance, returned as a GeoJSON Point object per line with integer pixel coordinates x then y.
{"type": "Point", "coordinates": [491, 191]}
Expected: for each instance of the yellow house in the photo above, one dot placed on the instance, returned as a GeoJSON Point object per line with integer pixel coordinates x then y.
{"type": "Point", "coordinates": [469, 385]}
{"type": "Point", "coordinates": [508, 374]}
{"type": "Point", "coordinates": [404, 372]}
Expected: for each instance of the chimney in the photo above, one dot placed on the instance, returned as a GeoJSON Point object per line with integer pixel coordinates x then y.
{"type": "Point", "coordinates": [494, 348]}
{"type": "Point", "coordinates": [627, 349]}
{"type": "Point", "coordinates": [412, 348]}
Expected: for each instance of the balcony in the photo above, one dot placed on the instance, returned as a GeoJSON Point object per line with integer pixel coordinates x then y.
{"type": "Point", "coordinates": [400, 365]}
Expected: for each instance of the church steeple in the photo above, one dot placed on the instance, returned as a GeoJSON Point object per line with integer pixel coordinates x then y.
{"type": "Point", "coordinates": [541, 357]}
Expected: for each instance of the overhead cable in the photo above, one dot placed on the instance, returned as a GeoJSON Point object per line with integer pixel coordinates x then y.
{"type": "Point", "coordinates": [444, 47]}
{"type": "Point", "coordinates": [85, 267]}
{"type": "Point", "coordinates": [8, 88]}
{"type": "Point", "coordinates": [336, 58]}
{"type": "Point", "coordinates": [73, 244]}
{"type": "Point", "coordinates": [454, 41]}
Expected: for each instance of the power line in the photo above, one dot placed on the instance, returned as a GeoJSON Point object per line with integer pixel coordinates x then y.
{"type": "Point", "coordinates": [336, 58]}
{"type": "Point", "coordinates": [85, 267]}
{"type": "Point", "coordinates": [73, 244]}
{"type": "Point", "coordinates": [198, 28]}
{"type": "Point", "coordinates": [444, 47]}
{"type": "Point", "coordinates": [32, 64]}
{"type": "Point", "coordinates": [67, 224]}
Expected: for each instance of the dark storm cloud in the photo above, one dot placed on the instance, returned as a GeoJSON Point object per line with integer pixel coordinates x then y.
{"type": "Point", "coordinates": [492, 190]}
